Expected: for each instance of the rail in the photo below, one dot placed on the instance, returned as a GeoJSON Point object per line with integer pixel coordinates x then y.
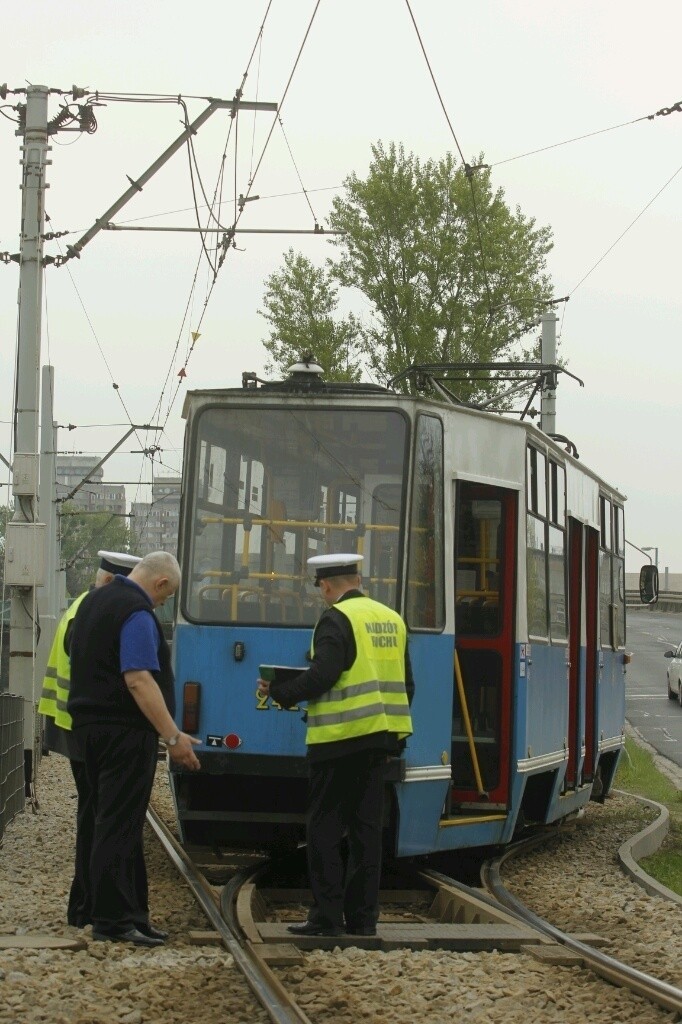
{"type": "Point", "coordinates": [656, 991]}
{"type": "Point", "coordinates": [261, 980]}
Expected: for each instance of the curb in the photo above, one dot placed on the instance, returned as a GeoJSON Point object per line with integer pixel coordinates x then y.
{"type": "Point", "coordinates": [644, 844]}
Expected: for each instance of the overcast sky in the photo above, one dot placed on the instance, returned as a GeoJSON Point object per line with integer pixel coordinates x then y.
{"type": "Point", "coordinates": [514, 77]}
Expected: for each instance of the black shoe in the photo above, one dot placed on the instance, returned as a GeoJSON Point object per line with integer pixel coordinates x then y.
{"type": "Point", "coordinates": [152, 932]}
{"type": "Point", "coordinates": [133, 935]}
{"type": "Point", "coordinates": [367, 929]}
{"type": "Point", "coordinates": [310, 928]}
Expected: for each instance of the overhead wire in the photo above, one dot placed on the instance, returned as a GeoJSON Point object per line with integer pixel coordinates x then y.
{"type": "Point", "coordinates": [298, 173]}
{"type": "Point", "coordinates": [229, 236]}
{"type": "Point", "coordinates": [216, 203]}
{"type": "Point", "coordinates": [624, 233]}
{"type": "Point", "coordinates": [467, 168]}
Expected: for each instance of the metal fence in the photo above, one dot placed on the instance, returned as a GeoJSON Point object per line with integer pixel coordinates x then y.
{"type": "Point", "coordinates": [11, 758]}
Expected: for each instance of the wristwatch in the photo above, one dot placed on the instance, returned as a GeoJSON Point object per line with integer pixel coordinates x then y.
{"type": "Point", "coordinates": [171, 742]}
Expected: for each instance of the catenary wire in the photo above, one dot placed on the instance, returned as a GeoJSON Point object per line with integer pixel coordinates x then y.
{"type": "Point", "coordinates": [298, 173]}
{"type": "Point", "coordinates": [250, 186]}
{"type": "Point", "coordinates": [624, 233]}
{"type": "Point", "coordinates": [467, 168]}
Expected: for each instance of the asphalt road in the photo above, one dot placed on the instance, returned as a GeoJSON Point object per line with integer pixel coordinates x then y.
{"type": "Point", "coordinates": [647, 708]}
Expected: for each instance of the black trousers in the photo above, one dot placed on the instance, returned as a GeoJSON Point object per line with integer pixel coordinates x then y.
{"type": "Point", "coordinates": [344, 839]}
{"type": "Point", "coordinates": [78, 911]}
{"type": "Point", "coordinates": [120, 763]}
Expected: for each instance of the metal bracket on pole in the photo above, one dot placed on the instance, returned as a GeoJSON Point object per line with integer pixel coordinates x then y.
{"type": "Point", "coordinates": [134, 427]}
{"type": "Point", "coordinates": [138, 183]}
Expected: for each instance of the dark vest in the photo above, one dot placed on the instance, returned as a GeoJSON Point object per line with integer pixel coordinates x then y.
{"type": "Point", "coordinates": [98, 691]}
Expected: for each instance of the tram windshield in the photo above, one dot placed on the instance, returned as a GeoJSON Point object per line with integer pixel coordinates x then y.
{"type": "Point", "coordinates": [274, 486]}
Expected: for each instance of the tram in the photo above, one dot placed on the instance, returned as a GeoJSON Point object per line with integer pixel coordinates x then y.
{"type": "Point", "coordinates": [503, 553]}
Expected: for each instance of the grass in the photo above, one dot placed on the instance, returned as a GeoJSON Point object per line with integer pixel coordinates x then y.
{"type": "Point", "coordinates": [638, 774]}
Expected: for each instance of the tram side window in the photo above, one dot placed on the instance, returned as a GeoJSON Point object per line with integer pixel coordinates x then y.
{"type": "Point", "coordinates": [611, 574]}
{"type": "Point", "coordinates": [558, 599]}
{"type": "Point", "coordinates": [425, 608]}
{"type": "Point", "coordinates": [479, 562]}
{"type": "Point", "coordinates": [546, 578]}
{"type": "Point", "coordinates": [536, 543]}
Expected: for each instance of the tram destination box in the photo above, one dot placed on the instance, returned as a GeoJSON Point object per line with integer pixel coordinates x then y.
{"type": "Point", "coordinates": [280, 673]}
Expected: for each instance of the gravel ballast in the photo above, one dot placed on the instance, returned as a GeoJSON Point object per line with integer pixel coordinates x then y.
{"type": "Point", "coordinates": [575, 882]}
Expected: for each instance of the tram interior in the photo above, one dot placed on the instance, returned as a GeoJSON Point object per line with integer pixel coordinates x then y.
{"type": "Point", "coordinates": [273, 488]}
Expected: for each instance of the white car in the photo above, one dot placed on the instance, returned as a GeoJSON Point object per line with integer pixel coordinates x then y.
{"type": "Point", "coordinates": [675, 673]}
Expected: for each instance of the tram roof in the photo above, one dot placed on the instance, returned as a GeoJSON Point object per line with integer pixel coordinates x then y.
{"type": "Point", "coordinates": [324, 390]}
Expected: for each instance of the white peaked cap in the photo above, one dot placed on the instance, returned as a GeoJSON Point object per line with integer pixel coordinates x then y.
{"type": "Point", "coordinates": [117, 561]}
{"type": "Point", "coordinates": [341, 564]}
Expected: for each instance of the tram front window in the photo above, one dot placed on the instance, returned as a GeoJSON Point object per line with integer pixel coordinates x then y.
{"type": "Point", "coordinates": [274, 486]}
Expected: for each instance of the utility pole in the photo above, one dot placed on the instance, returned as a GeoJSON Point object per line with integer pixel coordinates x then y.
{"type": "Point", "coordinates": [548, 357]}
{"type": "Point", "coordinates": [25, 561]}
{"type": "Point", "coordinates": [52, 599]}
{"type": "Point", "coordinates": [24, 557]}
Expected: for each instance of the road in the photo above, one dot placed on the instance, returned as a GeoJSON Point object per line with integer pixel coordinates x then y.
{"type": "Point", "coordinates": [649, 635]}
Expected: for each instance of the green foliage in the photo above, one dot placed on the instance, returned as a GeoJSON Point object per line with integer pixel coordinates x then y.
{"type": "Point", "coordinates": [82, 536]}
{"type": "Point", "coordinates": [300, 302]}
{"type": "Point", "coordinates": [410, 246]}
{"type": "Point", "coordinates": [637, 774]}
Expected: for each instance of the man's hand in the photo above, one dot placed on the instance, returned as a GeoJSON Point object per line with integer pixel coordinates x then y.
{"type": "Point", "coordinates": [181, 752]}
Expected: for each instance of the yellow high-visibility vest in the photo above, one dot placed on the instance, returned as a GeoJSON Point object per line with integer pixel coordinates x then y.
{"type": "Point", "coordinates": [57, 679]}
{"type": "Point", "coordinates": [370, 696]}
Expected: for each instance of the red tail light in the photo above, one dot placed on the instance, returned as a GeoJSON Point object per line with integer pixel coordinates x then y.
{"type": "Point", "coordinates": [191, 702]}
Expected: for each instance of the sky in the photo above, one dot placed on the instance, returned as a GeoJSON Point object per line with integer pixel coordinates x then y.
{"type": "Point", "coordinates": [514, 77]}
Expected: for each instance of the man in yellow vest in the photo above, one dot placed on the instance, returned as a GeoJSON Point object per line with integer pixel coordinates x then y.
{"type": "Point", "coordinates": [359, 689]}
{"type": "Point", "coordinates": [57, 734]}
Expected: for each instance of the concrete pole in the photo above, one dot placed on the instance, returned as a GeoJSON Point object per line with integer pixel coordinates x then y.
{"type": "Point", "coordinates": [548, 357]}
{"type": "Point", "coordinates": [49, 599]}
{"type": "Point", "coordinates": [25, 546]}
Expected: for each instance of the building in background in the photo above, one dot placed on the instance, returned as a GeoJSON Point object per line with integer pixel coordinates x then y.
{"type": "Point", "coordinates": [154, 525]}
{"type": "Point", "coordinates": [94, 495]}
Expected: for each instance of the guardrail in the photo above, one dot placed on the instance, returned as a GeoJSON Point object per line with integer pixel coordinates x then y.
{"type": "Point", "coordinates": [668, 600]}
{"type": "Point", "coordinates": [11, 758]}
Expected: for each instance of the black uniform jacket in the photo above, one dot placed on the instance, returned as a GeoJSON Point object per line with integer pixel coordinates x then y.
{"type": "Point", "coordinates": [335, 652]}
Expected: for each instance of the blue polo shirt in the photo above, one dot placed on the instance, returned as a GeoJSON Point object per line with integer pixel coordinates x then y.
{"type": "Point", "coordinates": [139, 637]}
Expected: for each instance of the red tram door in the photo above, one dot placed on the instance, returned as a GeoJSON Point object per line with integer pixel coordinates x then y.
{"type": "Point", "coordinates": [485, 554]}
{"type": "Point", "coordinates": [575, 607]}
{"type": "Point", "coordinates": [591, 651]}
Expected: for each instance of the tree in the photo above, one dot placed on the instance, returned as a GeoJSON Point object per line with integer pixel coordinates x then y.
{"type": "Point", "coordinates": [300, 302]}
{"type": "Point", "coordinates": [83, 534]}
{"type": "Point", "coordinates": [450, 273]}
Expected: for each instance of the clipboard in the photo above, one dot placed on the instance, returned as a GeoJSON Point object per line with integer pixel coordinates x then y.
{"type": "Point", "coordinates": [280, 673]}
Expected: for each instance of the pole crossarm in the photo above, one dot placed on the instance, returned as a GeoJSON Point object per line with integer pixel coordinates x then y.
{"type": "Point", "coordinates": [74, 251]}
{"type": "Point", "coordinates": [317, 230]}
{"type": "Point", "coordinates": [86, 479]}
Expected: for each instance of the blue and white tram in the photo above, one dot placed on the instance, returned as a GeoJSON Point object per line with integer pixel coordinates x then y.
{"type": "Point", "coordinates": [504, 554]}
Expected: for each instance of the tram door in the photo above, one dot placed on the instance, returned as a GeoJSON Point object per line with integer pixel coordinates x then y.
{"type": "Point", "coordinates": [575, 607]}
{"type": "Point", "coordinates": [485, 550]}
{"type": "Point", "coordinates": [591, 654]}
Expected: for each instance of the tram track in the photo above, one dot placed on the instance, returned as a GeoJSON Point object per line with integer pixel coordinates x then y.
{"type": "Point", "coordinates": [451, 916]}
{"type": "Point", "coordinates": [615, 971]}
{"type": "Point", "coordinates": [262, 981]}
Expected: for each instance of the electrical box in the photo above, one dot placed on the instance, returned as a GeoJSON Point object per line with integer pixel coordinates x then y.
{"type": "Point", "coordinates": [25, 474]}
{"type": "Point", "coordinates": [25, 554]}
